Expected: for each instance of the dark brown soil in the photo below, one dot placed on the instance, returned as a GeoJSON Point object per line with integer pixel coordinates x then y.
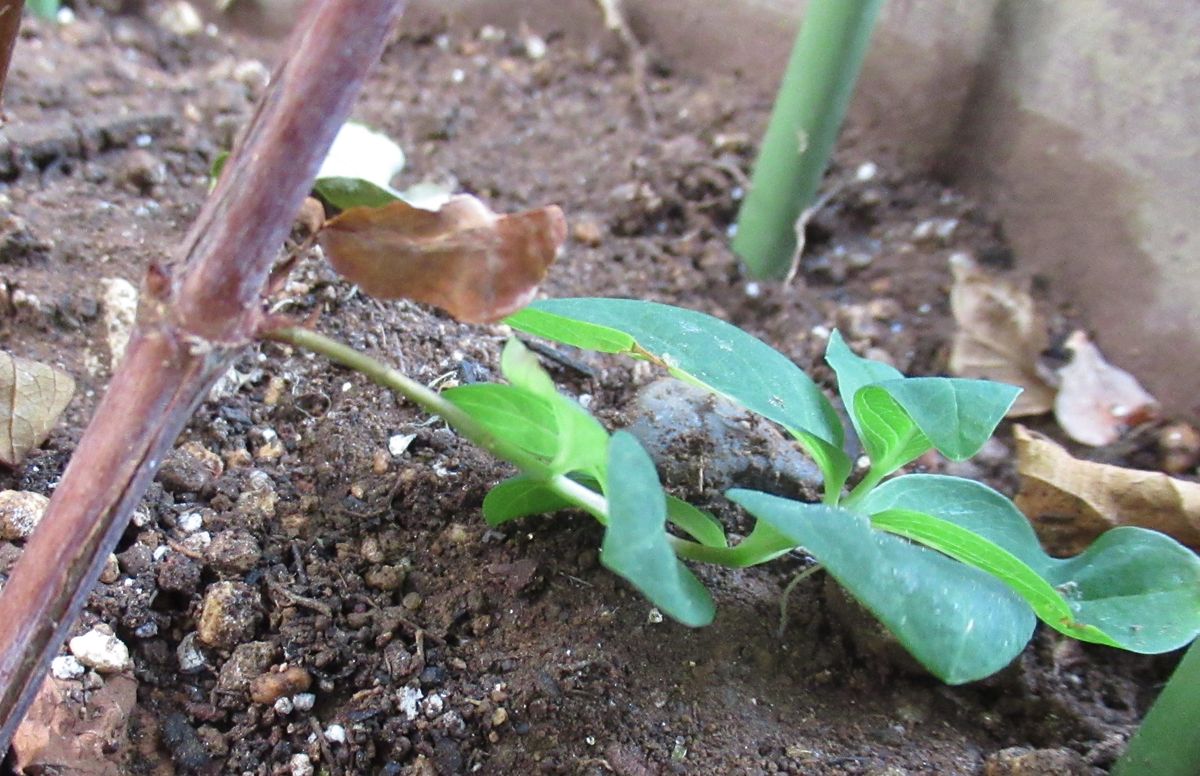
{"type": "Point", "coordinates": [436, 644]}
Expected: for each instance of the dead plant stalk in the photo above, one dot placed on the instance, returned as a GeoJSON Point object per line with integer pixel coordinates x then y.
{"type": "Point", "coordinates": [190, 326]}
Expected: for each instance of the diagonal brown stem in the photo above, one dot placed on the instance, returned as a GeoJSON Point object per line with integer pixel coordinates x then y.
{"type": "Point", "coordinates": [188, 331]}
{"type": "Point", "coordinates": [10, 24]}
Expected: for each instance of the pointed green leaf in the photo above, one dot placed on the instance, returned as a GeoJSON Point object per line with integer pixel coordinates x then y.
{"type": "Point", "coordinates": [959, 622]}
{"type": "Point", "coordinates": [520, 497]}
{"type": "Point", "coordinates": [582, 441]}
{"type": "Point", "coordinates": [512, 415]}
{"type": "Point", "coordinates": [569, 331]}
{"type": "Point", "coordinates": [345, 193]}
{"type": "Point", "coordinates": [889, 435]}
{"type": "Point", "coordinates": [1139, 588]}
{"type": "Point", "coordinates": [635, 542]}
{"type": "Point", "coordinates": [958, 415]}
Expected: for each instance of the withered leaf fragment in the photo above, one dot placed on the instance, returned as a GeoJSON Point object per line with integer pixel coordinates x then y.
{"type": "Point", "coordinates": [1071, 502]}
{"type": "Point", "coordinates": [1000, 335]}
{"type": "Point", "coordinates": [1097, 401]}
{"type": "Point", "coordinates": [474, 264]}
{"type": "Point", "coordinates": [32, 396]}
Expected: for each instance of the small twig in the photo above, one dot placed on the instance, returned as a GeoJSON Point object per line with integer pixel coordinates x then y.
{"type": "Point", "coordinates": [278, 589]}
{"type": "Point", "coordinates": [787, 593]}
{"type": "Point", "coordinates": [322, 742]}
{"type": "Point", "coordinates": [557, 356]}
{"type": "Point", "coordinates": [615, 21]}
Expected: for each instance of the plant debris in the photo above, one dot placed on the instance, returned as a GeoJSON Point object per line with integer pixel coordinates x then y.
{"type": "Point", "coordinates": [1071, 502]}
{"type": "Point", "coordinates": [32, 396]}
{"type": "Point", "coordinates": [474, 264]}
{"type": "Point", "coordinates": [1097, 402]}
{"type": "Point", "coordinates": [1000, 335]}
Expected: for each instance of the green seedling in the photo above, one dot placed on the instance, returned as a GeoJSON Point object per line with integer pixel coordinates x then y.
{"type": "Point", "coordinates": [949, 565]}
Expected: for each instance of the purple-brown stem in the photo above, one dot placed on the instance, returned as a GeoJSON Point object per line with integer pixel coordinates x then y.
{"type": "Point", "coordinates": [189, 330]}
{"type": "Point", "coordinates": [10, 24]}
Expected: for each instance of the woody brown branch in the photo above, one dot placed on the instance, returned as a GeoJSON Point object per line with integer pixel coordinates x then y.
{"type": "Point", "coordinates": [189, 329]}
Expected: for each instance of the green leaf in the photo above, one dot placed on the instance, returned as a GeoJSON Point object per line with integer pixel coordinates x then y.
{"type": "Point", "coordinates": [955, 415]}
{"type": "Point", "coordinates": [701, 349]}
{"type": "Point", "coordinates": [855, 373]}
{"type": "Point", "coordinates": [635, 542]}
{"type": "Point", "coordinates": [833, 462]}
{"type": "Point", "coordinates": [959, 622]}
{"type": "Point", "coordinates": [972, 549]}
{"type": "Point", "coordinates": [214, 172]}
{"type": "Point", "coordinates": [889, 435]}
{"type": "Point", "coordinates": [512, 415]}
{"type": "Point", "coordinates": [520, 496]}
{"type": "Point", "coordinates": [570, 331]}
{"type": "Point", "coordinates": [582, 443]}
{"type": "Point", "coordinates": [697, 523]}
{"type": "Point", "coordinates": [958, 415]}
{"type": "Point", "coordinates": [345, 193]}
{"type": "Point", "coordinates": [1139, 588]}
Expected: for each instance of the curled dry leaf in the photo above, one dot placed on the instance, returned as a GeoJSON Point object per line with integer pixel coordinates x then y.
{"type": "Point", "coordinates": [1071, 502]}
{"type": "Point", "coordinates": [1097, 401]}
{"type": "Point", "coordinates": [1000, 336]}
{"type": "Point", "coordinates": [476, 265]}
{"type": "Point", "coordinates": [32, 396]}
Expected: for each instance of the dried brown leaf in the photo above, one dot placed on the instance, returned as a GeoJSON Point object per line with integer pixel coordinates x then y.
{"type": "Point", "coordinates": [1000, 335]}
{"type": "Point", "coordinates": [56, 738]}
{"type": "Point", "coordinates": [1071, 502]}
{"type": "Point", "coordinates": [32, 396]}
{"type": "Point", "coordinates": [463, 258]}
{"type": "Point", "coordinates": [1096, 401]}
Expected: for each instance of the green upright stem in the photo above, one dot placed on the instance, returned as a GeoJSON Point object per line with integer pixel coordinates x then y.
{"type": "Point", "coordinates": [1167, 743]}
{"type": "Point", "coordinates": [804, 125]}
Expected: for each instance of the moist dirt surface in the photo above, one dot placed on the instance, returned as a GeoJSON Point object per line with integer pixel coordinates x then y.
{"type": "Point", "coordinates": [309, 587]}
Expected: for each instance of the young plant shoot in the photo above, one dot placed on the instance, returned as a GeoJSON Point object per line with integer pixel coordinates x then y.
{"type": "Point", "coordinates": [948, 565]}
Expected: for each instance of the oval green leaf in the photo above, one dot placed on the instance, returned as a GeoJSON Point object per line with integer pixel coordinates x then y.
{"type": "Point", "coordinates": [1139, 588]}
{"type": "Point", "coordinates": [960, 623]}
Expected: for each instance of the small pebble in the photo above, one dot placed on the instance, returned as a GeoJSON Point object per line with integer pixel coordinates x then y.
{"type": "Point", "coordinates": [189, 656]}
{"type": "Point", "coordinates": [274, 685]}
{"type": "Point", "coordinates": [535, 47]}
{"type": "Point", "coordinates": [111, 571]}
{"type": "Point", "coordinates": [66, 667]}
{"type": "Point", "coordinates": [180, 18]}
{"type": "Point", "coordinates": [588, 232]}
{"type": "Point", "coordinates": [284, 706]}
{"type": "Point", "coordinates": [190, 522]}
{"type": "Point", "coordinates": [118, 306]}
{"type": "Point", "coordinates": [20, 512]}
{"type": "Point", "coordinates": [335, 734]}
{"type": "Point", "coordinates": [101, 651]}
{"type": "Point", "coordinates": [230, 614]}
{"type": "Point", "coordinates": [304, 701]}
{"type": "Point", "coordinates": [301, 765]}
{"type": "Point", "coordinates": [233, 552]}
{"type": "Point", "coordinates": [143, 171]}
